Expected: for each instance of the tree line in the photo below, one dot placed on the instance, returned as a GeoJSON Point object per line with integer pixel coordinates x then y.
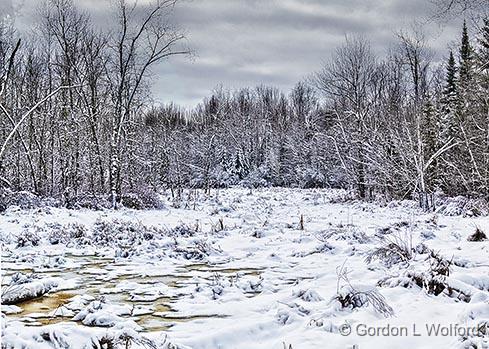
{"type": "Point", "coordinates": [78, 118]}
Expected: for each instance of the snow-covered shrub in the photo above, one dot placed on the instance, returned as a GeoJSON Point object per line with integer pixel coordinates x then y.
{"type": "Point", "coordinates": [26, 290]}
{"type": "Point", "coordinates": [283, 316]}
{"type": "Point", "coordinates": [338, 179]}
{"type": "Point", "coordinates": [217, 287]}
{"type": "Point", "coordinates": [20, 278]}
{"type": "Point", "coordinates": [217, 177]}
{"type": "Point", "coordinates": [258, 178]}
{"type": "Point", "coordinates": [421, 249]}
{"type": "Point", "coordinates": [90, 202]}
{"type": "Point", "coordinates": [308, 295]}
{"type": "Point", "coordinates": [391, 228]}
{"type": "Point", "coordinates": [340, 232]}
{"type": "Point", "coordinates": [258, 233]}
{"type": "Point", "coordinates": [394, 248]}
{"type": "Point", "coordinates": [56, 338]}
{"type": "Point", "coordinates": [4, 198]}
{"type": "Point", "coordinates": [475, 342]}
{"type": "Point", "coordinates": [311, 178]}
{"type": "Point", "coordinates": [290, 314]}
{"type": "Point", "coordinates": [150, 199]}
{"type": "Point", "coordinates": [191, 253]}
{"type": "Point", "coordinates": [103, 314]}
{"type": "Point", "coordinates": [183, 230]}
{"type": "Point", "coordinates": [325, 247]}
{"type": "Point", "coordinates": [108, 232]}
{"type": "Point", "coordinates": [427, 235]}
{"type": "Point", "coordinates": [132, 200]}
{"type": "Point", "coordinates": [29, 236]}
{"type": "Point", "coordinates": [68, 233]}
{"type": "Point", "coordinates": [438, 270]}
{"type": "Point", "coordinates": [51, 202]}
{"type": "Point", "coordinates": [434, 280]}
{"type": "Point", "coordinates": [462, 206]}
{"type": "Point", "coordinates": [141, 199]}
{"type": "Point", "coordinates": [23, 199]}
{"type": "Point", "coordinates": [123, 339]}
{"type": "Point", "coordinates": [350, 297]}
{"type": "Point", "coordinates": [222, 179]}
{"type": "Point", "coordinates": [197, 250]}
{"type": "Point", "coordinates": [479, 235]}
{"type": "Point", "coordinates": [120, 233]}
{"type": "Point", "coordinates": [250, 285]}
{"type": "Point", "coordinates": [341, 196]}
{"type": "Point", "coordinates": [53, 262]}
{"type": "Point", "coordinates": [218, 226]}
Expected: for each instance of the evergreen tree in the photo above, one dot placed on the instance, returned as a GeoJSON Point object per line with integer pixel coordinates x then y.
{"type": "Point", "coordinates": [484, 42]}
{"type": "Point", "coordinates": [483, 54]}
{"type": "Point", "coordinates": [429, 129]}
{"type": "Point", "coordinates": [449, 101]}
{"type": "Point", "coordinates": [468, 160]}
{"type": "Point", "coordinates": [466, 58]}
{"type": "Point", "coordinates": [451, 77]}
{"type": "Point", "coordinates": [429, 139]}
{"type": "Point", "coordinates": [482, 93]}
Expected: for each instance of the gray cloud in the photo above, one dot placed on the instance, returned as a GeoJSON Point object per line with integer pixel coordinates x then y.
{"type": "Point", "coordinates": [277, 42]}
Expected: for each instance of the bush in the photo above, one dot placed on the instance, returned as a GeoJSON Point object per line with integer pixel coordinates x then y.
{"type": "Point", "coordinates": [462, 206]}
{"type": "Point", "coordinates": [478, 236]}
{"type": "Point", "coordinates": [124, 234]}
{"type": "Point", "coordinates": [351, 298]}
{"type": "Point", "coordinates": [198, 250]}
{"type": "Point", "coordinates": [64, 234]}
{"type": "Point", "coordinates": [29, 236]}
{"type": "Point", "coordinates": [4, 199]}
{"type": "Point", "coordinates": [222, 179]}
{"type": "Point", "coordinates": [51, 202]}
{"type": "Point", "coordinates": [23, 199]}
{"type": "Point", "coordinates": [393, 249]}
{"type": "Point", "coordinates": [109, 232]}
{"type": "Point", "coordinates": [132, 200]}
{"type": "Point", "coordinates": [20, 278]}
{"type": "Point", "coordinates": [141, 199]}
{"type": "Point", "coordinates": [435, 280]}
{"type": "Point", "coordinates": [126, 338]}
{"type": "Point", "coordinates": [90, 202]}
{"type": "Point", "coordinates": [183, 230]}
{"type": "Point", "coordinates": [258, 178]}
{"type": "Point", "coordinates": [312, 179]}
{"type": "Point", "coordinates": [340, 232]}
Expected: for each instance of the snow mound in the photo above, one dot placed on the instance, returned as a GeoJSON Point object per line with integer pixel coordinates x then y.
{"type": "Point", "coordinates": [17, 293]}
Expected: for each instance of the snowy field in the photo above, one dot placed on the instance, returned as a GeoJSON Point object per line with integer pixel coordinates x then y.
{"type": "Point", "coordinates": [275, 268]}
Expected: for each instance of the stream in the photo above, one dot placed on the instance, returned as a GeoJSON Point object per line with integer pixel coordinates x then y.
{"type": "Point", "coordinates": [120, 282]}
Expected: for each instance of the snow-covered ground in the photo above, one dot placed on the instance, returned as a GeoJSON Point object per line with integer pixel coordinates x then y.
{"type": "Point", "coordinates": [272, 268]}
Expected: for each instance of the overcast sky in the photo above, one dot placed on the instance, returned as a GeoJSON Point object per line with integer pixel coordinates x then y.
{"type": "Point", "coordinates": [274, 42]}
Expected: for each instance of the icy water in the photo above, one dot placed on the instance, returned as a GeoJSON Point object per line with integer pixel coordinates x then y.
{"type": "Point", "coordinates": [121, 283]}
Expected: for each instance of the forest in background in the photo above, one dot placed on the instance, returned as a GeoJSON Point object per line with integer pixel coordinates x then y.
{"type": "Point", "coordinates": [78, 118]}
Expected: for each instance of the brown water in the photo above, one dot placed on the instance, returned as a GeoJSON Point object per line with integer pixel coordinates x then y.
{"type": "Point", "coordinates": [45, 304]}
{"type": "Point", "coordinates": [101, 276]}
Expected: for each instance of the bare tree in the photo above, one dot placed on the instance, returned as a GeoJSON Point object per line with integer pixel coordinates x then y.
{"type": "Point", "coordinates": [347, 82]}
{"type": "Point", "coordinates": [416, 56]}
{"type": "Point", "coordinates": [145, 37]}
{"type": "Point", "coordinates": [455, 7]}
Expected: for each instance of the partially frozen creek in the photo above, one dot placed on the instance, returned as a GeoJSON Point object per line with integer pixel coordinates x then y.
{"type": "Point", "coordinates": [148, 290]}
